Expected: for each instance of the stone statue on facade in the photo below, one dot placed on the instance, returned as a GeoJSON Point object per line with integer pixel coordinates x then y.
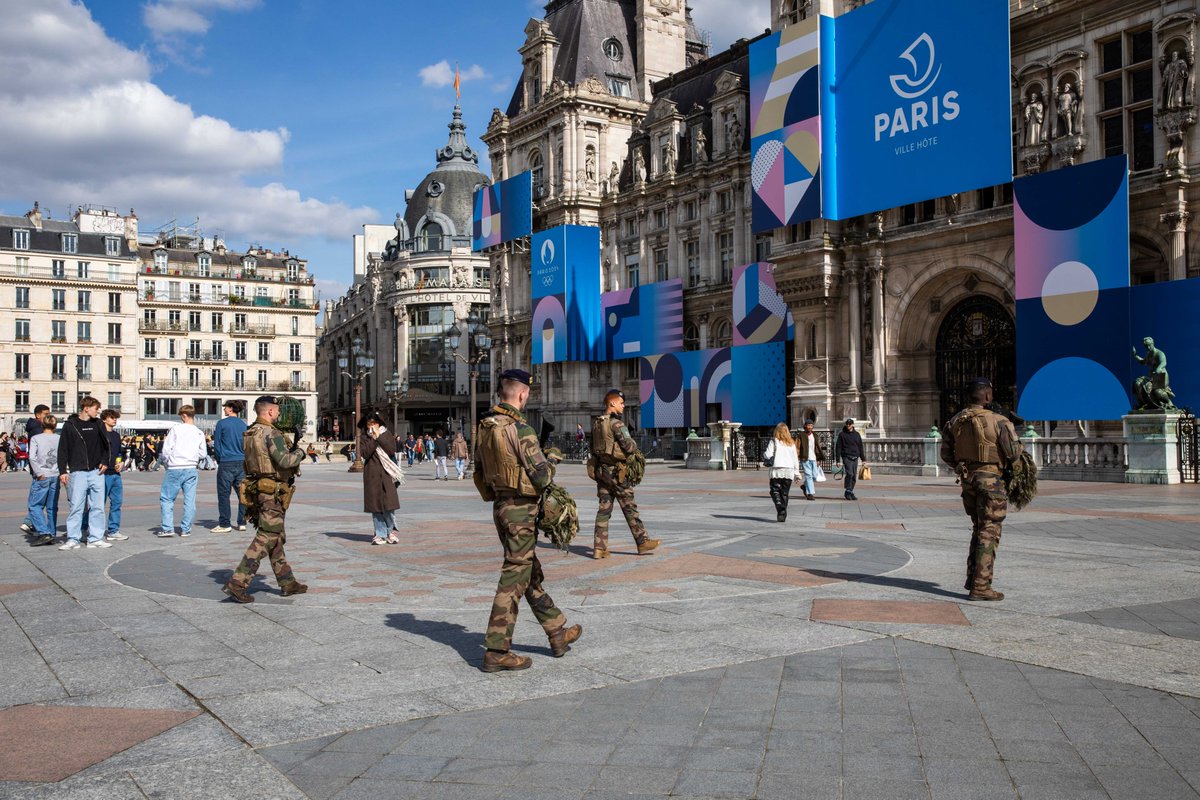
{"type": "Point", "coordinates": [1152, 391]}
{"type": "Point", "coordinates": [1068, 111]}
{"type": "Point", "coordinates": [671, 157]}
{"type": "Point", "coordinates": [700, 147]}
{"type": "Point", "coordinates": [735, 133]}
{"type": "Point", "coordinates": [462, 276]}
{"type": "Point", "coordinates": [1035, 116]}
{"type": "Point", "coordinates": [1175, 76]}
{"type": "Point", "coordinates": [589, 165]}
{"type": "Point", "coordinates": [614, 177]}
{"type": "Point", "coordinates": [639, 167]}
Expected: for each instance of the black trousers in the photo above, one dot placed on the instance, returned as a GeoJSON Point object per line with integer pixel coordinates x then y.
{"type": "Point", "coordinates": [780, 487]}
{"type": "Point", "coordinates": [850, 465]}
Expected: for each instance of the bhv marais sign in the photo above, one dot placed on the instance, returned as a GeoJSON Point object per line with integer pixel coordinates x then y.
{"type": "Point", "coordinates": [915, 102]}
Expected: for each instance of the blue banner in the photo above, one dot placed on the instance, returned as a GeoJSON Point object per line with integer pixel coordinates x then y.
{"type": "Point", "coordinates": [915, 102]}
{"type": "Point", "coordinates": [565, 285]}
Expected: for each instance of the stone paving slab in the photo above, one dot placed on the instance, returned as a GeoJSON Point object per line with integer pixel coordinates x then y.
{"type": "Point", "coordinates": [1178, 618]}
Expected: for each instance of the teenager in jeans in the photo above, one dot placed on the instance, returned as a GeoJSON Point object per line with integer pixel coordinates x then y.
{"type": "Point", "coordinates": [43, 492]}
{"type": "Point", "coordinates": [82, 451]}
{"type": "Point", "coordinates": [114, 465]}
{"type": "Point", "coordinates": [181, 454]}
{"type": "Point", "coordinates": [227, 441]}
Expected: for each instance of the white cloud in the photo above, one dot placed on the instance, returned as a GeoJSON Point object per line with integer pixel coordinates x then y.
{"type": "Point", "coordinates": [442, 74]}
{"type": "Point", "coordinates": [730, 20]}
{"type": "Point", "coordinates": [94, 129]}
{"type": "Point", "coordinates": [176, 25]}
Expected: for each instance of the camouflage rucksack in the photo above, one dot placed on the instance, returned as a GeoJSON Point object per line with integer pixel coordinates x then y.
{"type": "Point", "coordinates": [1021, 482]}
{"type": "Point", "coordinates": [558, 516]}
{"type": "Point", "coordinates": [636, 466]}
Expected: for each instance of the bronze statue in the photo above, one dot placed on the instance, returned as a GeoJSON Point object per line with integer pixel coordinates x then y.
{"type": "Point", "coordinates": [1153, 390]}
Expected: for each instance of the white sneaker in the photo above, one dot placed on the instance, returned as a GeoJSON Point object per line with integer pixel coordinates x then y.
{"type": "Point", "coordinates": [221, 529]}
{"type": "Point", "coordinates": [116, 536]}
{"type": "Point", "coordinates": [70, 545]}
{"type": "Point", "coordinates": [241, 527]}
{"type": "Point", "coordinates": [25, 526]}
{"type": "Point", "coordinates": [99, 543]}
{"type": "Point", "coordinates": [165, 534]}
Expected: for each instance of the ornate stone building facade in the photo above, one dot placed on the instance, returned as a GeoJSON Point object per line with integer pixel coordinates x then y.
{"type": "Point", "coordinates": [893, 311]}
{"type": "Point", "coordinates": [404, 303]}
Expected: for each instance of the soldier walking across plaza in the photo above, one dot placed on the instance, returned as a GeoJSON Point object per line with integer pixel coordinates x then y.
{"type": "Point", "coordinates": [271, 470]}
{"type": "Point", "coordinates": [612, 447]}
{"type": "Point", "coordinates": [980, 444]}
{"type": "Point", "coordinates": [511, 472]}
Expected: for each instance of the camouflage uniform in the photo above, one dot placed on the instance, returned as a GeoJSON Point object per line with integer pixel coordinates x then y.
{"type": "Point", "coordinates": [611, 483]}
{"type": "Point", "coordinates": [512, 471]}
{"type": "Point", "coordinates": [270, 464]}
{"type": "Point", "coordinates": [979, 444]}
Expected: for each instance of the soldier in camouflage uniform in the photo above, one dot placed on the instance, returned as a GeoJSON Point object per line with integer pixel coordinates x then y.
{"type": "Point", "coordinates": [980, 444]}
{"type": "Point", "coordinates": [611, 447]}
{"type": "Point", "coordinates": [271, 470]}
{"type": "Point", "coordinates": [511, 471]}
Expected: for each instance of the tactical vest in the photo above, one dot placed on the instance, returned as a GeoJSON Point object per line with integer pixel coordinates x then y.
{"type": "Point", "coordinates": [497, 451]}
{"type": "Point", "coordinates": [975, 441]}
{"type": "Point", "coordinates": [257, 450]}
{"type": "Point", "coordinates": [604, 444]}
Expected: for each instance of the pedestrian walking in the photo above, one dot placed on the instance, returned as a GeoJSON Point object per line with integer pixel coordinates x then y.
{"type": "Point", "coordinates": [271, 470]}
{"type": "Point", "coordinates": [42, 503]}
{"type": "Point", "coordinates": [980, 444]}
{"type": "Point", "coordinates": [328, 450]}
{"type": "Point", "coordinates": [848, 448]}
{"type": "Point", "coordinates": [441, 451]}
{"type": "Point", "coordinates": [227, 443]}
{"type": "Point", "coordinates": [82, 451]}
{"type": "Point", "coordinates": [811, 454]}
{"type": "Point", "coordinates": [611, 447]}
{"type": "Point", "coordinates": [114, 465]}
{"type": "Point", "coordinates": [427, 445]}
{"type": "Point", "coordinates": [511, 472]}
{"type": "Point", "coordinates": [182, 453]}
{"type": "Point", "coordinates": [460, 454]}
{"type": "Point", "coordinates": [410, 449]}
{"type": "Point", "coordinates": [380, 498]}
{"type": "Point", "coordinates": [784, 462]}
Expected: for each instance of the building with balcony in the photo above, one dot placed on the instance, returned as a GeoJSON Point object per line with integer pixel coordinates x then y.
{"type": "Point", "coordinates": [215, 324]}
{"type": "Point", "coordinates": [403, 306]}
{"type": "Point", "coordinates": [893, 311]}
{"type": "Point", "coordinates": [70, 289]}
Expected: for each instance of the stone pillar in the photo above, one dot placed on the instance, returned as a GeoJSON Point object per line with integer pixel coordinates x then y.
{"type": "Point", "coordinates": [932, 467]}
{"type": "Point", "coordinates": [878, 344]}
{"type": "Point", "coordinates": [854, 350]}
{"type": "Point", "coordinates": [1153, 442]}
{"type": "Point", "coordinates": [740, 256]}
{"type": "Point", "coordinates": [400, 310]}
{"type": "Point", "coordinates": [1178, 222]}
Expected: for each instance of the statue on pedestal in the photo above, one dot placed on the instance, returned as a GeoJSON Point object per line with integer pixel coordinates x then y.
{"type": "Point", "coordinates": [1068, 111]}
{"type": "Point", "coordinates": [1035, 115]}
{"type": "Point", "coordinates": [1152, 391]}
{"type": "Point", "coordinates": [1175, 74]}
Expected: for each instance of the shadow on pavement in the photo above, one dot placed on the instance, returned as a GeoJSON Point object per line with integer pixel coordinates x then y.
{"type": "Point", "coordinates": [898, 583]}
{"type": "Point", "coordinates": [464, 641]}
{"type": "Point", "coordinates": [350, 537]}
{"type": "Point", "coordinates": [259, 585]}
{"type": "Point", "coordinates": [748, 519]}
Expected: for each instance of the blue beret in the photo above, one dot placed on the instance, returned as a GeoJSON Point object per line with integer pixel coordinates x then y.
{"type": "Point", "coordinates": [518, 375]}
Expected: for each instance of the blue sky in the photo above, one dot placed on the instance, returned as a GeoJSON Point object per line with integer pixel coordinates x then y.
{"type": "Point", "coordinates": [289, 123]}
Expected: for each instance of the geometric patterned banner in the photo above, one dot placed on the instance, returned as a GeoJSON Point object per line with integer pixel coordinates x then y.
{"type": "Point", "coordinates": [502, 212]}
{"type": "Point", "coordinates": [760, 314]}
{"type": "Point", "coordinates": [642, 321]}
{"type": "Point", "coordinates": [785, 126]}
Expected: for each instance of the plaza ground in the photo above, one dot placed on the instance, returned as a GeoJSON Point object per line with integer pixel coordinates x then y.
{"type": "Point", "coordinates": [831, 656]}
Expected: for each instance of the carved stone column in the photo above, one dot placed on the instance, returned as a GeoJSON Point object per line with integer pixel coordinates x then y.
{"type": "Point", "coordinates": [740, 256]}
{"type": "Point", "coordinates": [1175, 124]}
{"type": "Point", "coordinates": [400, 311]}
{"type": "Point", "coordinates": [877, 339]}
{"type": "Point", "coordinates": [854, 350]}
{"type": "Point", "coordinates": [1178, 221]}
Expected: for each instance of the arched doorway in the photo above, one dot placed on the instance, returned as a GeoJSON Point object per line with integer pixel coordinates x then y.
{"type": "Point", "coordinates": [977, 338]}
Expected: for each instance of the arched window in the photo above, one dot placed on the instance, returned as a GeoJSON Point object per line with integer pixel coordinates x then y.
{"type": "Point", "coordinates": [691, 337]}
{"type": "Point", "coordinates": [538, 171]}
{"type": "Point", "coordinates": [722, 334]}
{"type": "Point", "coordinates": [431, 237]}
{"type": "Point", "coordinates": [810, 345]}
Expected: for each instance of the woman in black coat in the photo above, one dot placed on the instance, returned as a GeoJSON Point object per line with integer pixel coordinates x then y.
{"type": "Point", "coordinates": [380, 499]}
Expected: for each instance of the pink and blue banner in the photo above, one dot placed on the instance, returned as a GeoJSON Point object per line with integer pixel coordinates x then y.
{"type": "Point", "coordinates": [565, 281]}
{"type": "Point", "coordinates": [503, 212]}
{"type": "Point", "coordinates": [642, 321]}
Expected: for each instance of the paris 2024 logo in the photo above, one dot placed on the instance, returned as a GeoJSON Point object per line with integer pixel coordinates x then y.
{"type": "Point", "coordinates": [926, 108]}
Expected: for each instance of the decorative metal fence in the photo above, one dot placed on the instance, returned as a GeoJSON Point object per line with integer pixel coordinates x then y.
{"type": "Point", "coordinates": [1189, 447]}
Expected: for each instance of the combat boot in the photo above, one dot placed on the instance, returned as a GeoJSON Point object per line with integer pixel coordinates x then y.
{"type": "Point", "coordinates": [237, 593]}
{"type": "Point", "coordinates": [496, 661]}
{"type": "Point", "coordinates": [985, 594]}
{"type": "Point", "coordinates": [646, 545]}
{"type": "Point", "coordinates": [296, 587]}
{"type": "Point", "coordinates": [599, 552]}
{"type": "Point", "coordinates": [560, 640]}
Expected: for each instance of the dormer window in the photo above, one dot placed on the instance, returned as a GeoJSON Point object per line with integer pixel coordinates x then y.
{"type": "Point", "coordinates": [20, 239]}
{"type": "Point", "coordinates": [112, 245]}
{"type": "Point", "coordinates": [431, 237]}
{"type": "Point", "coordinates": [537, 174]}
{"type": "Point", "coordinates": [70, 243]}
{"type": "Point", "coordinates": [249, 264]}
{"type": "Point", "coordinates": [204, 264]}
{"type": "Point", "coordinates": [618, 87]}
{"type": "Point", "coordinates": [612, 49]}
{"type": "Point", "coordinates": [160, 260]}
{"type": "Point", "coordinates": [293, 270]}
{"type": "Point", "coordinates": [535, 83]}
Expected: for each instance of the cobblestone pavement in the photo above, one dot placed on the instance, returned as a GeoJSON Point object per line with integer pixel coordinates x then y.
{"type": "Point", "coordinates": [832, 656]}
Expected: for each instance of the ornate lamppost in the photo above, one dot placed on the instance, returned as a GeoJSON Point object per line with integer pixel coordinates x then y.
{"type": "Point", "coordinates": [396, 390]}
{"type": "Point", "coordinates": [479, 336]}
{"type": "Point", "coordinates": [359, 361]}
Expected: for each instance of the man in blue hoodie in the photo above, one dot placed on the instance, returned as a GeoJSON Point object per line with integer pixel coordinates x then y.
{"type": "Point", "coordinates": [227, 441]}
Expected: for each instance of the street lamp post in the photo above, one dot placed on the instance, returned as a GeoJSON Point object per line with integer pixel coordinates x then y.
{"type": "Point", "coordinates": [396, 392]}
{"type": "Point", "coordinates": [478, 335]}
{"type": "Point", "coordinates": [359, 361]}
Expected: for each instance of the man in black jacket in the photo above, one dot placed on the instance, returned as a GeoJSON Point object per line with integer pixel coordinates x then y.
{"type": "Point", "coordinates": [33, 427]}
{"type": "Point", "coordinates": [83, 449]}
{"type": "Point", "coordinates": [849, 448]}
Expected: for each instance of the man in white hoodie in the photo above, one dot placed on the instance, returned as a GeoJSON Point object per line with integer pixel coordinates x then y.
{"type": "Point", "coordinates": [181, 454]}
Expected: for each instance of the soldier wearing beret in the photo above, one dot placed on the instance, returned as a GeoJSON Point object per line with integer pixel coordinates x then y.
{"type": "Point", "coordinates": [980, 444]}
{"type": "Point", "coordinates": [271, 470]}
{"type": "Point", "coordinates": [611, 448]}
{"type": "Point", "coordinates": [511, 472]}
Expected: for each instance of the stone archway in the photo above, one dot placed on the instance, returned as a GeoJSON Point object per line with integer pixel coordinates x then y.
{"type": "Point", "coordinates": [977, 337]}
